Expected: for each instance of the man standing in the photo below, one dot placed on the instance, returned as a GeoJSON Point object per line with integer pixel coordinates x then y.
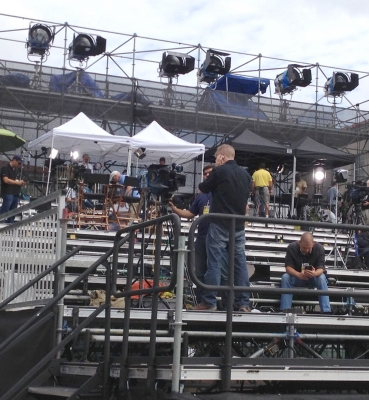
{"type": "Point", "coordinates": [305, 267]}
{"type": "Point", "coordinates": [262, 185]}
{"type": "Point", "coordinates": [300, 188]}
{"type": "Point", "coordinates": [332, 193]}
{"type": "Point", "coordinates": [229, 185]}
{"type": "Point", "coordinates": [86, 163]}
{"type": "Point", "coordinates": [10, 186]}
{"type": "Point", "coordinates": [201, 205]}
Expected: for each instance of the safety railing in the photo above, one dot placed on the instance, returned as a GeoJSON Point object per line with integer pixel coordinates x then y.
{"type": "Point", "coordinates": [30, 246]}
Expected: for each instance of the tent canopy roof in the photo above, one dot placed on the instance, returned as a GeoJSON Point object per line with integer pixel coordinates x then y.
{"type": "Point", "coordinates": [158, 142]}
{"type": "Point", "coordinates": [81, 134]}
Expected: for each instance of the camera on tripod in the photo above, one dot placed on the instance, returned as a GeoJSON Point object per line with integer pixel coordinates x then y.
{"type": "Point", "coordinates": [162, 180]}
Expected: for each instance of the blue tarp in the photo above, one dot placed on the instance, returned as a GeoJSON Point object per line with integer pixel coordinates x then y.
{"type": "Point", "coordinates": [15, 79]}
{"type": "Point", "coordinates": [127, 96]}
{"type": "Point", "coordinates": [61, 83]}
{"type": "Point", "coordinates": [241, 84]}
{"type": "Point", "coordinates": [229, 103]}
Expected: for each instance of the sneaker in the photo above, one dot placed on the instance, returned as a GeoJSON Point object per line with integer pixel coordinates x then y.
{"type": "Point", "coordinates": [204, 307]}
{"type": "Point", "coordinates": [244, 309]}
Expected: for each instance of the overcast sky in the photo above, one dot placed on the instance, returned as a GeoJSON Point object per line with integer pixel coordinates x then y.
{"type": "Point", "coordinates": [333, 33]}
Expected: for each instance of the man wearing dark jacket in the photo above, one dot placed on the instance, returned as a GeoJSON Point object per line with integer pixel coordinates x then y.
{"type": "Point", "coordinates": [230, 186]}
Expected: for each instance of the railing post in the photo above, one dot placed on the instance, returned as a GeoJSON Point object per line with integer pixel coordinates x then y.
{"type": "Point", "coordinates": [61, 250]}
{"type": "Point", "coordinates": [178, 317]}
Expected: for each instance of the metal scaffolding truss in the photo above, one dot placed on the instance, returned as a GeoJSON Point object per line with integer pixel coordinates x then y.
{"type": "Point", "coordinates": [125, 94]}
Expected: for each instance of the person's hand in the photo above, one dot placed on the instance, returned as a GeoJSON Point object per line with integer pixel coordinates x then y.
{"type": "Point", "coordinates": [302, 276]}
{"type": "Point", "coordinates": [309, 273]}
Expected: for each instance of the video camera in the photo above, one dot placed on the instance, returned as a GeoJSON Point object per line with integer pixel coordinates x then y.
{"type": "Point", "coordinates": [162, 181]}
{"type": "Point", "coordinates": [358, 193]}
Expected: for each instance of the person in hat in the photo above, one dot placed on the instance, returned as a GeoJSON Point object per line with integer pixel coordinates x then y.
{"type": "Point", "coordinates": [10, 186]}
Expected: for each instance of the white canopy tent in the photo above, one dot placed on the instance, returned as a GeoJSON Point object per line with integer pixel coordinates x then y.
{"type": "Point", "coordinates": [81, 134]}
{"type": "Point", "coordinates": [158, 142]}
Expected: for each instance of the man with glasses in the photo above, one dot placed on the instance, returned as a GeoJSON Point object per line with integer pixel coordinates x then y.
{"type": "Point", "coordinates": [305, 267]}
{"type": "Point", "coordinates": [230, 186]}
{"type": "Point", "coordinates": [10, 186]}
{"type": "Point", "coordinates": [201, 205]}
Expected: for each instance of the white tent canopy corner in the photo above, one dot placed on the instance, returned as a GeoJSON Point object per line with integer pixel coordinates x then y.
{"type": "Point", "coordinates": [82, 134]}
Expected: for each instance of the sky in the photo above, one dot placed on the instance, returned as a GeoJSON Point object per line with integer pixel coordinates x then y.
{"type": "Point", "coordinates": [332, 33]}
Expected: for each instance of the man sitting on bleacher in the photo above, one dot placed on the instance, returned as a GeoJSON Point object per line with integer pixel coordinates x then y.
{"type": "Point", "coordinates": [305, 267]}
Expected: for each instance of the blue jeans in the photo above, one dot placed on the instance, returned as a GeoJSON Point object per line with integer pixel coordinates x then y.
{"type": "Point", "coordinates": [217, 241]}
{"type": "Point", "coordinates": [319, 282]}
{"type": "Point", "coordinates": [10, 202]}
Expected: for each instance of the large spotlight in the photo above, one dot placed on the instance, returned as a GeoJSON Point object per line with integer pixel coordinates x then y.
{"type": "Point", "coordinates": [39, 40]}
{"type": "Point", "coordinates": [287, 81]}
{"type": "Point", "coordinates": [84, 46]}
{"type": "Point", "coordinates": [340, 82]}
{"type": "Point", "coordinates": [319, 175]}
{"type": "Point", "coordinates": [140, 153]}
{"type": "Point", "coordinates": [341, 175]}
{"type": "Point", "coordinates": [174, 64]}
{"type": "Point", "coordinates": [216, 63]}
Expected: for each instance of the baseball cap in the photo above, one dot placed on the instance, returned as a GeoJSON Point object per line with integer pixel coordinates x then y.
{"type": "Point", "coordinates": [18, 158]}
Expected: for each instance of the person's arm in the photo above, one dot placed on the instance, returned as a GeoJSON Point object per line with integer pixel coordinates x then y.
{"type": "Point", "coordinates": [209, 184]}
{"type": "Point", "coordinates": [181, 213]}
{"type": "Point", "coordinates": [291, 271]}
{"type": "Point", "coordinates": [304, 187]}
{"type": "Point", "coordinates": [9, 181]}
{"type": "Point", "coordinates": [270, 186]}
{"type": "Point", "coordinates": [318, 267]}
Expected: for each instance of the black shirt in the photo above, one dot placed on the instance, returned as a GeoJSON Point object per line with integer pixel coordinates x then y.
{"type": "Point", "coordinates": [7, 189]}
{"type": "Point", "coordinates": [295, 258]}
{"type": "Point", "coordinates": [229, 185]}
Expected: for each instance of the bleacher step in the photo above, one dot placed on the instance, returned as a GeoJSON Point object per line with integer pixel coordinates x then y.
{"type": "Point", "coordinates": [56, 391]}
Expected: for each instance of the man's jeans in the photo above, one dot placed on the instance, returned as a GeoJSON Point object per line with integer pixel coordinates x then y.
{"type": "Point", "coordinates": [10, 202]}
{"type": "Point", "coordinates": [217, 241]}
{"type": "Point", "coordinates": [319, 282]}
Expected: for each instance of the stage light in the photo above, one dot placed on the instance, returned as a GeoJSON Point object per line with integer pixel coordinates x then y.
{"type": "Point", "coordinates": [84, 46]}
{"type": "Point", "coordinates": [174, 64]}
{"type": "Point", "coordinates": [340, 82]}
{"type": "Point", "coordinates": [74, 155]}
{"type": "Point", "coordinates": [39, 39]}
{"type": "Point", "coordinates": [319, 175]}
{"type": "Point", "coordinates": [280, 168]}
{"type": "Point", "coordinates": [53, 153]}
{"type": "Point", "coordinates": [287, 81]}
{"type": "Point", "coordinates": [177, 167]}
{"type": "Point", "coordinates": [216, 63]}
{"type": "Point", "coordinates": [341, 175]}
{"type": "Point", "coordinates": [140, 153]}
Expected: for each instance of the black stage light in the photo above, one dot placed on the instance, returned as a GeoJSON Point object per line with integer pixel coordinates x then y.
{"type": "Point", "coordinates": [84, 46]}
{"type": "Point", "coordinates": [340, 82]}
{"type": "Point", "coordinates": [39, 39]}
{"type": "Point", "coordinates": [216, 63]}
{"type": "Point", "coordinates": [174, 64]}
{"type": "Point", "coordinates": [140, 153]}
{"type": "Point", "coordinates": [341, 175]}
{"type": "Point", "coordinates": [287, 81]}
